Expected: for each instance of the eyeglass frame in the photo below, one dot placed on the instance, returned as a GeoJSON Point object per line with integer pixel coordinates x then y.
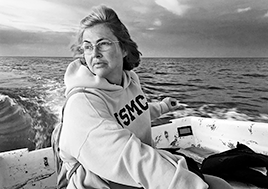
{"type": "Point", "coordinates": [96, 46]}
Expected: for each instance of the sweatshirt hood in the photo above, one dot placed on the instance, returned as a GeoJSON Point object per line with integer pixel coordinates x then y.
{"type": "Point", "coordinates": [79, 76]}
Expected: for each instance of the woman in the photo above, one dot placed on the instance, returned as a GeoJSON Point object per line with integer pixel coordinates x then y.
{"type": "Point", "coordinates": [107, 129]}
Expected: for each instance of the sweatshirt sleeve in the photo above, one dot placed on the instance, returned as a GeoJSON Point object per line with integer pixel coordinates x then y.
{"type": "Point", "coordinates": [157, 109]}
{"type": "Point", "coordinates": [117, 155]}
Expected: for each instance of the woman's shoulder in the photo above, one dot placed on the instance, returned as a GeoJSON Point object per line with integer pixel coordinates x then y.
{"type": "Point", "coordinates": [84, 95]}
{"type": "Point", "coordinates": [132, 74]}
{"type": "Point", "coordinates": [87, 100]}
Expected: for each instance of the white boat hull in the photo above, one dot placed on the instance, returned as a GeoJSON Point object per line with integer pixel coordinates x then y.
{"type": "Point", "coordinates": [21, 169]}
{"type": "Point", "coordinates": [214, 134]}
{"type": "Point", "coordinates": [35, 170]}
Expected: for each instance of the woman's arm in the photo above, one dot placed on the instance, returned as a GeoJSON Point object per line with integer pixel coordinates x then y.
{"type": "Point", "coordinates": [166, 105]}
{"type": "Point", "coordinates": [116, 154]}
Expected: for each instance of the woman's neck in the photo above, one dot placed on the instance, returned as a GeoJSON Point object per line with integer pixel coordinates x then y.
{"type": "Point", "coordinates": [118, 80]}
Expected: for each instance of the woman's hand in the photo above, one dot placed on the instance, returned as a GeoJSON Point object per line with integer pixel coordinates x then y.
{"type": "Point", "coordinates": [174, 104]}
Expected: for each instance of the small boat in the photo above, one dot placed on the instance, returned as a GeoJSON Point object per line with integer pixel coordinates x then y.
{"type": "Point", "coordinates": [196, 137]}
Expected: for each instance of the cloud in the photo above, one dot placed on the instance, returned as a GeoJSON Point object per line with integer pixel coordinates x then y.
{"type": "Point", "coordinates": [243, 9]}
{"type": "Point", "coordinates": [174, 6]}
{"type": "Point", "coordinates": [141, 10]}
{"type": "Point", "coordinates": [41, 15]}
{"type": "Point", "coordinates": [157, 22]}
{"type": "Point", "coordinates": [14, 42]}
{"type": "Point", "coordinates": [266, 15]}
{"type": "Point", "coordinates": [15, 36]}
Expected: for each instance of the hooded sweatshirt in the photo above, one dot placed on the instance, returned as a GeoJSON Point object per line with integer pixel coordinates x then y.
{"type": "Point", "coordinates": [108, 130]}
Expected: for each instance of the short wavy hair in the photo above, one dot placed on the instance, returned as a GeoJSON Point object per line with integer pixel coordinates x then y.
{"type": "Point", "coordinates": [104, 15]}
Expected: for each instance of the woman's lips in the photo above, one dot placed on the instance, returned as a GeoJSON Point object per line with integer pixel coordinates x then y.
{"type": "Point", "coordinates": [99, 64]}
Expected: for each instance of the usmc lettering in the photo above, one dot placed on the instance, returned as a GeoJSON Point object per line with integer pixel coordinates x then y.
{"type": "Point", "coordinates": [127, 113]}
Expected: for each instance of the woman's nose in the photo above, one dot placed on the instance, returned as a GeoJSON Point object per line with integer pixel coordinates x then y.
{"type": "Point", "coordinates": [96, 53]}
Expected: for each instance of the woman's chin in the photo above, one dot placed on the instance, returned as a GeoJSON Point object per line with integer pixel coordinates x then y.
{"type": "Point", "coordinates": [100, 72]}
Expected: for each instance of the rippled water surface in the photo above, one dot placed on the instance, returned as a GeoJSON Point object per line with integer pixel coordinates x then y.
{"type": "Point", "coordinates": [225, 88]}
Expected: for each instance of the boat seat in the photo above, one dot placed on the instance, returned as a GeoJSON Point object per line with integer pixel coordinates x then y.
{"type": "Point", "coordinates": [197, 153]}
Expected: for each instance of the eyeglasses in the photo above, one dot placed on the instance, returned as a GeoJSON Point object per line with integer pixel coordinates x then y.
{"type": "Point", "coordinates": [102, 46]}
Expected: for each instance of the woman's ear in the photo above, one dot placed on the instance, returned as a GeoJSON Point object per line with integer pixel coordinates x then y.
{"type": "Point", "coordinates": [125, 53]}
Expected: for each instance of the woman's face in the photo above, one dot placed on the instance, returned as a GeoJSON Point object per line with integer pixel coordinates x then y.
{"type": "Point", "coordinates": [105, 59]}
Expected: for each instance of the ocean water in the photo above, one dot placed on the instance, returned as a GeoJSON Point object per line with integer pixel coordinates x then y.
{"type": "Point", "coordinates": [224, 88]}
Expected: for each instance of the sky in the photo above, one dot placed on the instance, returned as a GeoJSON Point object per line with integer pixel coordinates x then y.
{"type": "Point", "coordinates": [161, 28]}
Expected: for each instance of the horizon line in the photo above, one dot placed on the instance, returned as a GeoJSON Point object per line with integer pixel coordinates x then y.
{"type": "Point", "coordinates": [29, 56]}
